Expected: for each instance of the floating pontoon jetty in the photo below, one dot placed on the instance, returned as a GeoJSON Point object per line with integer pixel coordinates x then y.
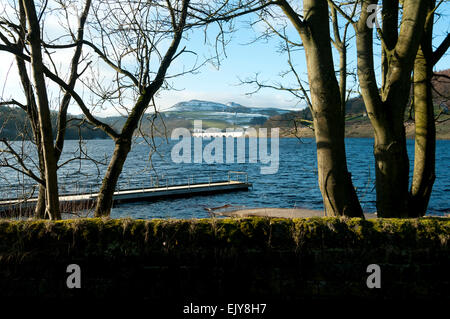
{"type": "Point", "coordinates": [82, 201]}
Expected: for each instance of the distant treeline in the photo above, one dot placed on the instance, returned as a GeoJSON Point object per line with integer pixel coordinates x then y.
{"type": "Point", "coordinates": [353, 106]}
{"type": "Point", "coordinates": [14, 125]}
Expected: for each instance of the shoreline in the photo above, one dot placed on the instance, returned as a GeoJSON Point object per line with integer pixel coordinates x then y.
{"type": "Point", "coordinates": [273, 212]}
{"type": "Point", "coordinates": [278, 213]}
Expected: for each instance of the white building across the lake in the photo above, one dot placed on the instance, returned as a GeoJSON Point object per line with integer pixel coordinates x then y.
{"type": "Point", "coordinates": [217, 133]}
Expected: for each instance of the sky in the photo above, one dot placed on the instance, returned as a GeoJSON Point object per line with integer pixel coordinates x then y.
{"type": "Point", "coordinates": [243, 60]}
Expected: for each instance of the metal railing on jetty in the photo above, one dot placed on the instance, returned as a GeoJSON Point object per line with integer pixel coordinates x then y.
{"type": "Point", "coordinates": [166, 181]}
{"type": "Point", "coordinates": [28, 190]}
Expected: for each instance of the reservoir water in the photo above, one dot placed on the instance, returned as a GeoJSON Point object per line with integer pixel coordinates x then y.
{"type": "Point", "coordinates": [294, 185]}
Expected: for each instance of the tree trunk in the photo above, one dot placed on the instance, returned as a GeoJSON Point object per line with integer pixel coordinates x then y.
{"type": "Point", "coordinates": [425, 132]}
{"type": "Point", "coordinates": [391, 168]}
{"type": "Point", "coordinates": [121, 150]}
{"type": "Point", "coordinates": [105, 196]}
{"type": "Point", "coordinates": [33, 117]}
{"type": "Point", "coordinates": [52, 198]}
{"type": "Point", "coordinates": [386, 107]}
{"type": "Point", "coordinates": [335, 182]}
{"type": "Point", "coordinates": [39, 211]}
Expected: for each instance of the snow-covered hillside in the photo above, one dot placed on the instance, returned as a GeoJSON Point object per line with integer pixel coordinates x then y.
{"type": "Point", "coordinates": [231, 107]}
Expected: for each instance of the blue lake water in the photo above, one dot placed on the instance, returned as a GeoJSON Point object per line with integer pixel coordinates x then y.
{"type": "Point", "coordinates": [293, 185]}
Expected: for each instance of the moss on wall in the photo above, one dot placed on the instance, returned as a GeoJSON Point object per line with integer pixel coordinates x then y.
{"type": "Point", "coordinates": [257, 256]}
{"type": "Point", "coordinates": [137, 237]}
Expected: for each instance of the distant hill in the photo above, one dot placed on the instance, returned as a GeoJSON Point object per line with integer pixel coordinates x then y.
{"type": "Point", "coordinates": [14, 123]}
{"type": "Point", "coordinates": [441, 89]}
{"type": "Point", "coordinates": [212, 114]}
{"type": "Point", "coordinates": [207, 106]}
{"type": "Point", "coordinates": [219, 115]}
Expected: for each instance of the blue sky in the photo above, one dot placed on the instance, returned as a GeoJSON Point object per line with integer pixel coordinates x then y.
{"type": "Point", "coordinates": [244, 60]}
{"type": "Point", "coordinates": [221, 85]}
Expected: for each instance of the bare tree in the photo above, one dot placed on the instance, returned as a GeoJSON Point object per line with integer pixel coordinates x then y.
{"type": "Point", "coordinates": [327, 100]}
{"type": "Point", "coordinates": [17, 44]}
{"type": "Point", "coordinates": [50, 163]}
{"type": "Point", "coordinates": [326, 97]}
{"type": "Point", "coordinates": [143, 36]}
{"type": "Point", "coordinates": [131, 40]}
{"type": "Point", "coordinates": [31, 105]}
{"type": "Point", "coordinates": [136, 31]}
{"type": "Point", "coordinates": [386, 105]}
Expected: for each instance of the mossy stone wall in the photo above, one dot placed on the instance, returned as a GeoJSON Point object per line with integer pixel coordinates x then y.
{"type": "Point", "coordinates": [286, 259]}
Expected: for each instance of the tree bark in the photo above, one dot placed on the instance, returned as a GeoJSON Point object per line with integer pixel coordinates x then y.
{"type": "Point", "coordinates": [391, 167]}
{"type": "Point", "coordinates": [121, 150]}
{"type": "Point", "coordinates": [335, 182]}
{"type": "Point", "coordinates": [105, 196]}
{"type": "Point", "coordinates": [425, 131]}
{"type": "Point", "coordinates": [52, 198]}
